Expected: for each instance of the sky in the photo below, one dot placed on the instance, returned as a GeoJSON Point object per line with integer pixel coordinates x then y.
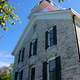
{"type": "Point", "coordinates": [9, 39]}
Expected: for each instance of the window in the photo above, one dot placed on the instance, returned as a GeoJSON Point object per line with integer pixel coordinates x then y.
{"type": "Point", "coordinates": [33, 48]}
{"type": "Point", "coordinates": [50, 37]}
{"type": "Point", "coordinates": [52, 69]}
{"type": "Point", "coordinates": [55, 69]}
{"type": "Point", "coordinates": [21, 75]}
{"type": "Point", "coordinates": [33, 73]}
{"type": "Point", "coordinates": [21, 55]}
{"type": "Point", "coordinates": [34, 28]}
{"type": "Point", "coordinates": [45, 70]}
{"type": "Point", "coordinates": [16, 76]}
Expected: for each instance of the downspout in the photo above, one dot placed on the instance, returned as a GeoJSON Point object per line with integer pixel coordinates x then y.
{"type": "Point", "coordinates": [73, 17]}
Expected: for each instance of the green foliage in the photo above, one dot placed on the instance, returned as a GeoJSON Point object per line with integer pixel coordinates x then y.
{"type": "Point", "coordinates": [5, 76]}
{"type": "Point", "coordinates": [61, 1]}
{"type": "Point", "coordinates": [7, 14]}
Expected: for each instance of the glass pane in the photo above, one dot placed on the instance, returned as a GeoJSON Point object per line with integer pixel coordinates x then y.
{"type": "Point", "coordinates": [52, 76]}
{"type": "Point", "coordinates": [51, 37]}
{"type": "Point", "coordinates": [48, 39]}
{"type": "Point", "coordinates": [32, 50]}
{"type": "Point", "coordinates": [52, 65]}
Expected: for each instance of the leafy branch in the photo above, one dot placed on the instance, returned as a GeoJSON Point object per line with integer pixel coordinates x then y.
{"type": "Point", "coordinates": [7, 14]}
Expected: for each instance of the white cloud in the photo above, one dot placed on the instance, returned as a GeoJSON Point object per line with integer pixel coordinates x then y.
{"type": "Point", "coordinates": [2, 64]}
{"type": "Point", "coordinates": [5, 55]}
{"type": "Point", "coordinates": [5, 59]}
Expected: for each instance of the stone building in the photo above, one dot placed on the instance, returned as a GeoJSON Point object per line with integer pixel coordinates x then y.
{"type": "Point", "coordinates": [49, 46]}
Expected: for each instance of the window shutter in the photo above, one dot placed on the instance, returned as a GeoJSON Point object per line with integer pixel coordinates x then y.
{"type": "Point", "coordinates": [23, 51]}
{"type": "Point", "coordinates": [16, 76]}
{"type": "Point", "coordinates": [58, 68]}
{"type": "Point", "coordinates": [30, 49]}
{"type": "Point", "coordinates": [46, 39]}
{"type": "Point", "coordinates": [35, 47]}
{"type": "Point", "coordinates": [21, 74]}
{"type": "Point", "coordinates": [45, 71]}
{"type": "Point", "coordinates": [54, 35]}
{"type": "Point", "coordinates": [33, 74]}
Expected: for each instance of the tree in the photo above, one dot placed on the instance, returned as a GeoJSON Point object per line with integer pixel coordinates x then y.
{"type": "Point", "coordinates": [61, 1]}
{"type": "Point", "coordinates": [7, 14]}
{"type": "Point", "coordinates": [5, 74]}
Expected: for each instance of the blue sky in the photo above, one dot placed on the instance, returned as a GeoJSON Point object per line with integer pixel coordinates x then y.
{"type": "Point", "coordinates": [9, 39]}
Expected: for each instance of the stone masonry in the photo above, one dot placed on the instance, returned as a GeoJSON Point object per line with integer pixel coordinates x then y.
{"type": "Point", "coordinates": [67, 44]}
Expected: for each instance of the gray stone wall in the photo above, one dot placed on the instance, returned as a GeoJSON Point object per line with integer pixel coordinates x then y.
{"type": "Point", "coordinates": [66, 48]}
